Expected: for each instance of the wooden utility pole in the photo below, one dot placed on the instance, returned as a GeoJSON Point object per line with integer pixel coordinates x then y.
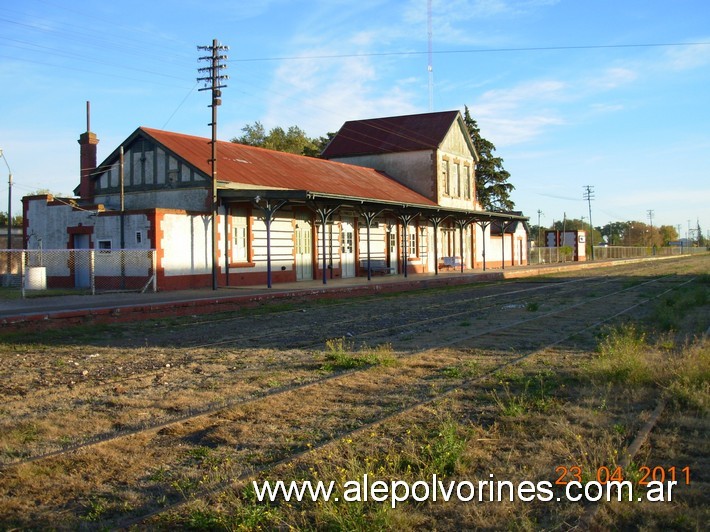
{"type": "Point", "coordinates": [213, 82]}
{"type": "Point", "coordinates": [589, 196]}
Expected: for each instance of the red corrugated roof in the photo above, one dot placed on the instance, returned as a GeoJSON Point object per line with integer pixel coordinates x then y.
{"type": "Point", "coordinates": [393, 134]}
{"type": "Point", "coordinates": [247, 165]}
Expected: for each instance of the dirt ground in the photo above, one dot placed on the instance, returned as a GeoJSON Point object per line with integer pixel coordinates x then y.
{"type": "Point", "coordinates": [165, 423]}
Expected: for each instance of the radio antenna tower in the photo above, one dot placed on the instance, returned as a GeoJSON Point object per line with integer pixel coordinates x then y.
{"type": "Point", "coordinates": [430, 66]}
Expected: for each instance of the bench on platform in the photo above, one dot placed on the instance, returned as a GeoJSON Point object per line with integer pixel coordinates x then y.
{"type": "Point", "coordinates": [451, 262]}
{"type": "Point", "coordinates": [376, 266]}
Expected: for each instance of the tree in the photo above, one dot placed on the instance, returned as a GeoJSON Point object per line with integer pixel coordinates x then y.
{"type": "Point", "coordinates": [16, 220]}
{"type": "Point", "coordinates": [292, 140]}
{"type": "Point", "coordinates": [492, 187]}
{"type": "Point", "coordinates": [613, 232]}
{"type": "Point", "coordinates": [701, 238]}
{"type": "Point", "coordinates": [253, 135]}
{"type": "Point", "coordinates": [668, 234]}
{"type": "Point", "coordinates": [320, 144]}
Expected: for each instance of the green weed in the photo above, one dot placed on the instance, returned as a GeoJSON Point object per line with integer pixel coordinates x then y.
{"type": "Point", "coordinates": [623, 357]}
{"type": "Point", "coordinates": [466, 370]}
{"type": "Point", "coordinates": [535, 396]}
{"type": "Point", "coordinates": [341, 355]}
{"type": "Point", "coordinates": [688, 374]}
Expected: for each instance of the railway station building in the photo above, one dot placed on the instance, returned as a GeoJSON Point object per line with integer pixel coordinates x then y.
{"type": "Point", "coordinates": [389, 196]}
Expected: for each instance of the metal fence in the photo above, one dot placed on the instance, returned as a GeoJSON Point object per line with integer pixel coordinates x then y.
{"type": "Point", "coordinates": [556, 255]}
{"type": "Point", "coordinates": [627, 252]}
{"type": "Point", "coordinates": [83, 270]}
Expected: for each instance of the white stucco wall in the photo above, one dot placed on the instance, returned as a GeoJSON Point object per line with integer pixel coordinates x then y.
{"type": "Point", "coordinates": [187, 244]}
{"type": "Point", "coordinates": [281, 242]}
{"type": "Point", "coordinates": [50, 222]}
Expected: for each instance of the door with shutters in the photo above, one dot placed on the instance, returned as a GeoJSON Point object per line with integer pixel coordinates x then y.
{"type": "Point", "coordinates": [304, 249]}
{"type": "Point", "coordinates": [347, 249]}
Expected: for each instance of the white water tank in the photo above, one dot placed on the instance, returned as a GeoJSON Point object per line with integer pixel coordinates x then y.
{"type": "Point", "coordinates": [36, 278]}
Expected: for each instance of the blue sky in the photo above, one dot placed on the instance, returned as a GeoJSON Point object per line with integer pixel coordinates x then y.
{"type": "Point", "coordinates": [569, 91]}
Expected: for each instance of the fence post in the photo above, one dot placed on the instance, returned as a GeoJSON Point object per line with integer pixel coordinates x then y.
{"type": "Point", "coordinates": [155, 271]}
{"type": "Point", "coordinates": [92, 273]}
{"type": "Point", "coordinates": [22, 273]}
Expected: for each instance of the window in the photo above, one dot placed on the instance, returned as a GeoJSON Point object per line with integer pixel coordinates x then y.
{"type": "Point", "coordinates": [445, 177]}
{"type": "Point", "coordinates": [139, 237]}
{"type": "Point", "coordinates": [467, 182]}
{"type": "Point", "coordinates": [455, 180]}
{"type": "Point", "coordinates": [412, 250]}
{"type": "Point", "coordinates": [104, 245]}
{"type": "Point", "coordinates": [240, 235]}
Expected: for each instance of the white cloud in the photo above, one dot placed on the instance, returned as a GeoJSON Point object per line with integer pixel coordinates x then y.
{"type": "Point", "coordinates": [332, 92]}
{"type": "Point", "coordinates": [689, 56]}
{"type": "Point", "coordinates": [613, 77]}
{"type": "Point", "coordinates": [606, 107]}
{"type": "Point", "coordinates": [519, 114]}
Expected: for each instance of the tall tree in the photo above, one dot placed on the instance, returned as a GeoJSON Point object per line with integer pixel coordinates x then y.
{"type": "Point", "coordinates": [492, 187]}
{"type": "Point", "coordinates": [254, 135]}
{"type": "Point", "coordinates": [701, 239]}
{"type": "Point", "coordinates": [292, 140]}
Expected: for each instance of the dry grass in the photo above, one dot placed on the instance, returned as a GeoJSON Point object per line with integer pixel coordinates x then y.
{"type": "Point", "coordinates": [577, 406]}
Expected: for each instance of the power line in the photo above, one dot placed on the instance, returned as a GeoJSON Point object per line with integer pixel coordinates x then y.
{"type": "Point", "coordinates": [472, 51]}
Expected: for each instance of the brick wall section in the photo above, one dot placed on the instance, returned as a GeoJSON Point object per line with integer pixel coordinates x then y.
{"type": "Point", "coordinates": [88, 142]}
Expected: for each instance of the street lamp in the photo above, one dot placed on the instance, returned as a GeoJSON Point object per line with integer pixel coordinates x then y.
{"type": "Point", "coordinates": [9, 202]}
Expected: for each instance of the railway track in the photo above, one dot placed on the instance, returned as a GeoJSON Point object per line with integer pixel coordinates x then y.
{"type": "Point", "coordinates": [274, 418]}
{"type": "Point", "coordinates": [291, 335]}
{"type": "Point", "coordinates": [407, 322]}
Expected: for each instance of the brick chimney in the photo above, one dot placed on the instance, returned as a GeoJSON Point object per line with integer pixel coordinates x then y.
{"type": "Point", "coordinates": [88, 142]}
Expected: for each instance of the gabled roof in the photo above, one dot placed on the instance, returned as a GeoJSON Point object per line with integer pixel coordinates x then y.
{"type": "Point", "coordinates": [511, 227]}
{"type": "Point", "coordinates": [260, 168]}
{"type": "Point", "coordinates": [389, 135]}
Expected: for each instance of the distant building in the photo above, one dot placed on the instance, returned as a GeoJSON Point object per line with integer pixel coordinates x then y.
{"type": "Point", "coordinates": [575, 239]}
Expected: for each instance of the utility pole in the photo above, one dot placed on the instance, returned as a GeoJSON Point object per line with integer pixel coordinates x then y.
{"type": "Point", "coordinates": [9, 204]}
{"type": "Point", "coordinates": [430, 66]}
{"type": "Point", "coordinates": [213, 82]}
{"type": "Point", "coordinates": [539, 240]}
{"type": "Point", "coordinates": [589, 196]}
{"type": "Point", "coordinates": [650, 219]}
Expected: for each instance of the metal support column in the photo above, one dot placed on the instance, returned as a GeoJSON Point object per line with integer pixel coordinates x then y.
{"type": "Point", "coordinates": [269, 209]}
{"type": "Point", "coordinates": [484, 226]}
{"type": "Point", "coordinates": [436, 222]}
{"type": "Point", "coordinates": [324, 213]}
{"type": "Point", "coordinates": [406, 219]}
{"type": "Point", "coordinates": [369, 219]}
{"type": "Point", "coordinates": [462, 223]}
